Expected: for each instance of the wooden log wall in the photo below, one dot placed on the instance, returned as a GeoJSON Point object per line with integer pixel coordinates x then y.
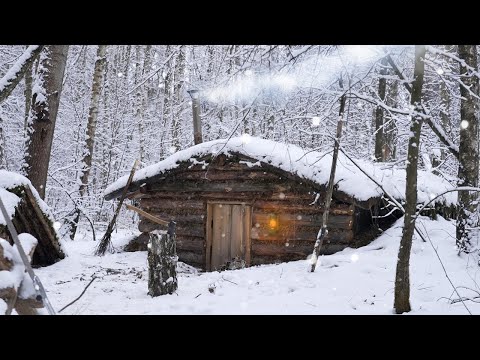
{"type": "Point", "coordinates": [182, 196]}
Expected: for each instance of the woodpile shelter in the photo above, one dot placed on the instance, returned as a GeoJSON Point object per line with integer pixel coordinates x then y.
{"type": "Point", "coordinates": [31, 215]}
{"type": "Point", "coordinates": [255, 201]}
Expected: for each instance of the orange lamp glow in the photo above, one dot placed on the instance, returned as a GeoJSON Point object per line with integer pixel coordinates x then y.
{"type": "Point", "coordinates": [273, 222]}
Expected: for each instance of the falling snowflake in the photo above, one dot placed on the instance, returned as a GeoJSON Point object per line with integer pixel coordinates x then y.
{"type": "Point", "coordinates": [315, 121]}
{"type": "Point", "coordinates": [440, 71]}
{"type": "Point", "coordinates": [354, 257]}
{"type": "Point", "coordinates": [120, 74]}
{"type": "Point", "coordinates": [246, 138]}
{"type": "Point", "coordinates": [57, 225]}
{"type": "Point", "coordinates": [172, 149]}
{"type": "Point", "coordinates": [464, 124]}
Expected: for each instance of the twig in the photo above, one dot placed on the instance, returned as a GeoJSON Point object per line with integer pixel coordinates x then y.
{"type": "Point", "coordinates": [443, 267]}
{"type": "Point", "coordinates": [229, 281]}
{"type": "Point", "coordinates": [198, 295]}
{"type": "Point", "coordinates": [83, 292]}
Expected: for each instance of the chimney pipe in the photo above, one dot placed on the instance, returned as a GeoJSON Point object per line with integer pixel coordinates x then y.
{"type": "Point", "coordinates": [197, 124]}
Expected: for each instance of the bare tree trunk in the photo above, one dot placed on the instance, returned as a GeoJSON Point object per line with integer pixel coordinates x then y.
{"type": "Point", "coordinates": [167, 96]}
{"type": "Point", "coordinates": [141, 97]}
{"type": "Point", "coordinates": [44, 108]}
{"type": "Point", "coordinates": [178, 87]}
{"type": "Point", "coordinates": [91, 129]}
{"type": "Point", "coordinates": [328, 195]}
{"type": "Point", "coordinates": [3, 164]}
{"type": "Point", "coordinates": [468, 151]}
{"type": "Point", "coordinates": [28, 94]}
{"type": "Point", "coordinates": [390, 126]}
{"type": "Point", "coordinates": [444, 115]}
{"type": "Point", "coordinates": [402, 276]}
{"type": "Point", "coordinates": [379, 118]}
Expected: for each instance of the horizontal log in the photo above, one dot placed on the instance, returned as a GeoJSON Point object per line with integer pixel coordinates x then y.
{"type": "Point", "coordinates": [275, 258]}
{"type": "Point", "coordinates": [146, 225]}
{"type": "Point", "coordinates": [220, 186]}
{"type": "Point", "coordinates": [283, 197]}
{"type": "Point", "coordinates": [159, 203]}
{"type": "Point", "coordinates": [191, 258]}
{"type": "Point", "coordinates": [336, 236]}
{"type": "Point", "coordinates": [289, 220]}
{"type": "Point", "coordinates": [189, 243]}
{"type": "Point", "coordinates": [279, 251]}
{"type": "Point", "coordinates": [195, 231]}
{"type": "Point", "coordinates": [268, 205]}
{"type": "Point", "coordinates": [138, 244]}
{"type": "Point", "coordinates": [228, 174]}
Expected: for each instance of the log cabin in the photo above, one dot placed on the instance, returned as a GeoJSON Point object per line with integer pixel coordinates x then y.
{"type": "Point", "coordinates": [261, 202]}
{"type": "Point", "coordinates": [31, 215]}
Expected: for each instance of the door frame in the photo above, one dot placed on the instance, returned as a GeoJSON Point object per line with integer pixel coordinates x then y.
{"type": "Point", "coordinates": [208, 235]}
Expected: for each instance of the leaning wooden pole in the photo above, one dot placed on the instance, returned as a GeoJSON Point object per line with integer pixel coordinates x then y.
{"type": "Point", "coordinates": [105, 243]}
{"type": "Point", "coordinates": [322, 233]}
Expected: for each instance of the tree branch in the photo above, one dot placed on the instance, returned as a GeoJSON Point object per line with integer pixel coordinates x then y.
{"type": "Point", "coordinates": [428, 119]}
{"type": "Point", "coordinates": [18, 70]}
{"type": "Point", "coordinates": [83, 292]}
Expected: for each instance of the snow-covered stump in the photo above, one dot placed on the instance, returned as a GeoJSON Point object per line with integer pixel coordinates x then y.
{"type": "Point", "coordinates": [16, 288]}
{"type": "Point", "coordinates": [162, 262]}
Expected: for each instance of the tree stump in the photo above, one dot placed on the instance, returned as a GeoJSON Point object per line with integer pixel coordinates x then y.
{"type": "Point", "coordinates": [162, 262]}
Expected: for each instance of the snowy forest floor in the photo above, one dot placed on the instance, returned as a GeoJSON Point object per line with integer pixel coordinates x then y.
{"type": "Point", "coordinates": [354, 281]}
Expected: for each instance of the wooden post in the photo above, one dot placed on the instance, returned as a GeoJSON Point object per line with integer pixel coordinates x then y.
{"type": "Point", "coordinates": [162, 262]}
{"type": "Point", "coordinates": [197, 124]}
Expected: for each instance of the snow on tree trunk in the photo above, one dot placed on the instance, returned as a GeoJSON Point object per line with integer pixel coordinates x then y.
{"type": "Point", "coordinates": [467, 219]}
{"type": "Point", "coordinates": [402, 276]}
{"type": "Point", "coordinates": [162, 263]}
{"type": "Point", "coordinates": [179, 79]}
{"type": "Point", "coordinates": [45, 101]}
{"type": "Point", "coordinates": [13, 76]}
{"type": "Point", "coordinates": [91, 129]}
{"type": "Point", "coordinates": [28, 94]}
{"type": "Point", "coordinates": [3, 164]}
{"type": "Point", "coordinates": [379, 118]}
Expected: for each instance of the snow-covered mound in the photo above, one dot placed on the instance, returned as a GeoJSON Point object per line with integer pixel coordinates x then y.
{"type": "Point", "coordinates": [10, 180]}
{"type": "Point", "coordinates": [307, 164]}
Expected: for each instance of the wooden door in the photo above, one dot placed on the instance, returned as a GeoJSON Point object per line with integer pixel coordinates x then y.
{"type": "Point", "coordinates": [228, 234]}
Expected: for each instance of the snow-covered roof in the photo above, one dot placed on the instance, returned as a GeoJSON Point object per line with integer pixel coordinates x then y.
{"type": "Point", "coordinates": [307, 164]}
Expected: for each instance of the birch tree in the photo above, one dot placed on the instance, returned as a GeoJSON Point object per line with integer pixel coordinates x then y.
{"type": "Point", "coordinates": [91, 130]}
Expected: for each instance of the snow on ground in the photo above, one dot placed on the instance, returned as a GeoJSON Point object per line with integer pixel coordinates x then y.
{"type": "Point", "coordinates": [353, 281]}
